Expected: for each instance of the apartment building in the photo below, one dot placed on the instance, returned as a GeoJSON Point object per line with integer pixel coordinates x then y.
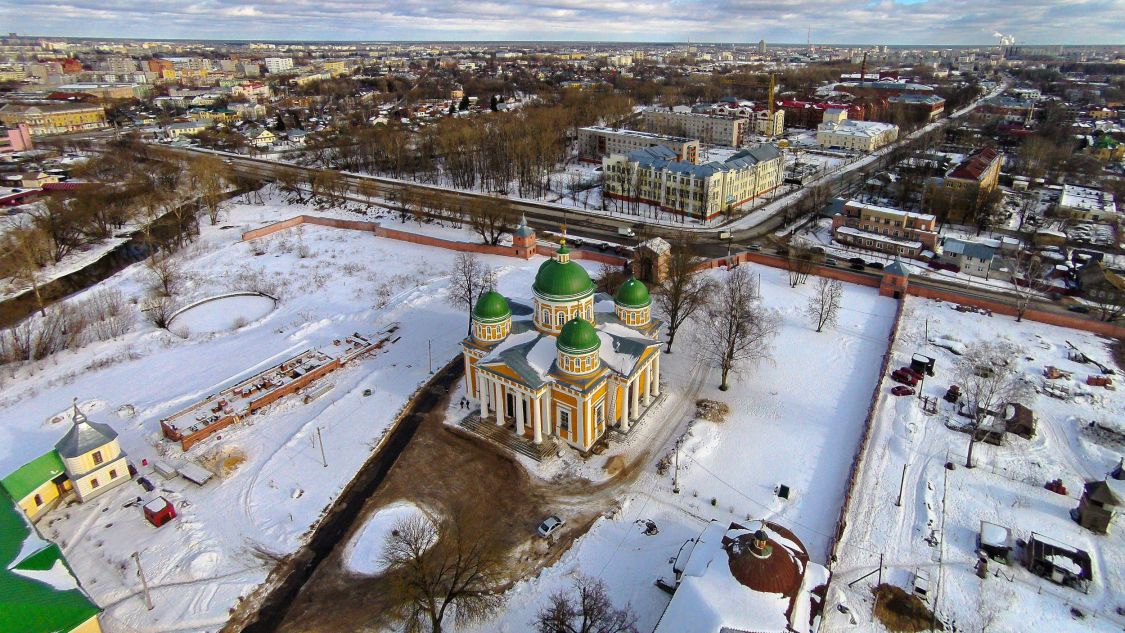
{"type": "Point", "coordinates": [708, 128]}
{"type": "Point", "coordinates": [916, 107]}
{"type": "Point", "coordinates": [972, 257]}
{"type": "Point", "coordinates": [655, 175]}
{"type": "Point", "coordinates": [60, 118]}
{"type": "Point", "coordinates": [759, 117]}
{"type": "Point", "coordinates": [885, 229]}
{"type": "Point", "coordinates": [596, 142]}
{"type": "Point", "coordinates": [278, 64]}
{"type": "Point", "coordinates": [866, 136]}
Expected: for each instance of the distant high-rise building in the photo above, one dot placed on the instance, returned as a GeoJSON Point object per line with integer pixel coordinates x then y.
{"type": "Point", "coordinates": [762, 47]}
{"type": "Point", "coordinates": [278, 64]}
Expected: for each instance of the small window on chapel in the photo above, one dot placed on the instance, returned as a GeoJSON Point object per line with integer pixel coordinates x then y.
{"type": "Point", "coordinates": [98, 458]}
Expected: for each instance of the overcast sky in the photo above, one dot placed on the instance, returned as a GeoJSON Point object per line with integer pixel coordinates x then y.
{"type": "Point", "coordinates": [831, 21]}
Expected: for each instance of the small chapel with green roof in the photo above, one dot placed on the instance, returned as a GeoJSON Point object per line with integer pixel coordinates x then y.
{"type": "Point", "coordinates": [570, 364]}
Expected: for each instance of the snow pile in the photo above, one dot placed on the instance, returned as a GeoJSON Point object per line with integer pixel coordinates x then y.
{"type": "Point", "coordinates": [365, 552]}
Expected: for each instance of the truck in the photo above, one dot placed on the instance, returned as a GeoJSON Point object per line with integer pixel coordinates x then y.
{"type": "Point", "coordinates": [625, 231]}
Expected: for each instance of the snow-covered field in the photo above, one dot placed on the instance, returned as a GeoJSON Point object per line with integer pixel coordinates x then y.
{"type": "Point", "coordinates": [796, 421]}
{"type": "Point", "coordinates": [1006, 488]}
{"type": "Point", "coordinates": [229, 531]}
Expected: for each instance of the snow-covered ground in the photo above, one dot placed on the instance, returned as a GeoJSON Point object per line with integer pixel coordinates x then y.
{"type": "Point", "coordinates": [365, 552]}
{"type": "Point", "coordinates": [1006, 487]}
{"type": "Point", "coordinates": [228, 533]}
{"type": "Point", "coordinates": [796, 421]}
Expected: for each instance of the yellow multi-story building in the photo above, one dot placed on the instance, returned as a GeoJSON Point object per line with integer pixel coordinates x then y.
{"type": "Point", "coordinates": [837, 130]}
{"type": "Point", "coordinates": [557, 368]}
{"type": "Point", "coordinates": [48, 119]}
{"type": "Point", "coordinates": [654, 176]}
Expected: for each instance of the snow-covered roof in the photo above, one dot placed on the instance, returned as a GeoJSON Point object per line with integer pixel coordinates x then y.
{"type": "Point", "coordinates": [994, 535]}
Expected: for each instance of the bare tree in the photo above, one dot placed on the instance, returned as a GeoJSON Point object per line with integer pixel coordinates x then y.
{"type": "Point", "coordinates": [491, 217]}
{"type": "Point", "coordinates": [164, 274]}
{"type": "Point", "coordinates": [434, 570]}
{"type": "Point", "coordinates": [800, 263]}
{"type": "Point", "coordinates": [210, 177]}
{"type": "Point", "coordinates": [683, 291]}
{"type": "Point", "coordinates": [990, 378]}
{"type": "Point", "coordinates": [158, 310]}
{"type": "Point", "coordinates": [584, 609]}
{"type": "Point", "coordinates": [25, 247]}
{"type": "Point", "coordinates": [735, 329]}
{"type": "Point", "coordinates": [609, 278]}
{"type": "Point", "coordinates": [1027, 281]}
{"type": "Point", "coordinates": [469, 279]}
{"type": "Point", "coordinates": [823, 308]}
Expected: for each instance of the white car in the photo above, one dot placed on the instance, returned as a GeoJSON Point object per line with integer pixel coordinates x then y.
{"type": "Point", "coordinates": [550, 525]}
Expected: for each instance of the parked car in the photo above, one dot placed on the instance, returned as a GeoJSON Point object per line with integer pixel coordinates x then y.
{"type": "Point", "coordinates": [755, 247]}
{"type": "Point", "coordinates": [902, 390]}
{"type": "Point", "coordinates": [905, 378]}
{"type": "Point", "coordinates": [1080, 309]}
{"type": "Point", "coordinates": [910, 370]}
{"type": "Point", "coordinates": [829, 261]}
{"type": "Point", "coordinates": [625, 231]}
{"type": "Point", "coordinates": [857, 260]}
{"type": "Point", "coordinates": [550, 525]}
{"type": "Point", "coordinates": [875, 265]}
{"type": "Point", "coordinates": [855, 266]}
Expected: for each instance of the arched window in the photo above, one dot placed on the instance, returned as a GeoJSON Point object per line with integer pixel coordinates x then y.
{"type": "Point", "coordinates": [546, 316]}
{"type": "Point", "coordinates": [562, 318]}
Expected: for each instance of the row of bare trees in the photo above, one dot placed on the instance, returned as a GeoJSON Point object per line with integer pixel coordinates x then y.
{"type": "Point", "coordinates": [490, 152]}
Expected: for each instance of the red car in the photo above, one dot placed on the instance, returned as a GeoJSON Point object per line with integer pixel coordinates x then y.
{"type": "Point", "coordinates": [902, 390]}
{"type": "Point", "coordinates": [910, 371]}
{"type": "Point", "coordinates": [906, 378]}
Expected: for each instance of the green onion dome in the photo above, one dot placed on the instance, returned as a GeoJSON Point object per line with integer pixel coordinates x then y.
{"type": "Point", "coordinates": [632, 294]}
{"type": "Point", "coordinates": [492, 306]}
{"type": "Point", "coordinates": [578, 336]}
{"type": "Point", "coordinates": [559, 280]}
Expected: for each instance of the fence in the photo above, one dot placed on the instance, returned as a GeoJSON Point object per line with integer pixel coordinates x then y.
{"type": "Point", "coordinates": [425, 240]}
{"type": "Point", "coordinates": [857, 459]}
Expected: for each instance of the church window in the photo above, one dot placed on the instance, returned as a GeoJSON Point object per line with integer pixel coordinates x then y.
{"type": "Point", "coordinates": [562, 318]}
{"type": "Point", "coordinates": [113, 474]}
{"type": "Point", "coordinates": [38, 500]}
{"type": "Point", "coordinates": [564, 420]}
{"type": "Point", "coordinates": [98, 458]}
{"type": "Point", "coordinates": [547, 316]}
{"type": "Point", "coordinates": [94, 483]}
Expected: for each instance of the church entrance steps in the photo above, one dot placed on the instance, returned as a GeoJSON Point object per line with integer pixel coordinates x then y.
{"type": "Point", "coordinates": [504, 437]}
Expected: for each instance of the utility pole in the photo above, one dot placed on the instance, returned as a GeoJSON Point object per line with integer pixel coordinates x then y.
{"type": "Point", "coordinates": [430, 355]}
{"type": "Point", "coordinates": [320, 440]}
{"type": "Point", "coordinates": [144, 582]}
{"type": "Point", "coordinates": [901, 485]}
{"type": "Point", "coordinates": [676, 472]}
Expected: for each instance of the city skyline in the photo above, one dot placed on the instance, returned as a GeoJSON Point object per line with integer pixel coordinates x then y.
{"type": "Point", "coordinates": [909, 23]}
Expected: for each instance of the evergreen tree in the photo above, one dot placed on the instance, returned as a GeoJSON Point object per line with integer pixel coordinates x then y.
{"type": "Point", "coordinates": [494, 103]}
{"type": "Point", "coordinates": [452, 108]}
{"type": "Point", "coordinates": [464, 103]}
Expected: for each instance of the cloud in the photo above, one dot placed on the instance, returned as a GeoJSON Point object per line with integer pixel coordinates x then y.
{"type": "Point", "coordinates": [916, 22]}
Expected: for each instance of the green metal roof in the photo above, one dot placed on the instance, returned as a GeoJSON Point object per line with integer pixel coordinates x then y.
{"type": "Point", "coordinates": [33, 474]}
{"type": "Point", "coordinates": [578, 336]}
{"type": "Point", "coordinates": [562, 281]}
{"type": "Point", "coordinates": [27, 605]}
{"type": "Point", "coordinates": [633, 294]}
{"type": "Point", "coordinates": [492, 306]}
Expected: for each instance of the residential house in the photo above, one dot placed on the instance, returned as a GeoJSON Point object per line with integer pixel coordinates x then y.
{"type": "Point", "coordinates": [185, 128]}
{"type": "Point", "coordinates": [1104, 285]}
{"type": "Point", "coordinates": [976, 258]}
{"type": "Point", "coordinates": [261, 137]}
{"type": "Point", "coordinates": [1088, 204]}
{"type": "Point", "coordinates": [886, 230]}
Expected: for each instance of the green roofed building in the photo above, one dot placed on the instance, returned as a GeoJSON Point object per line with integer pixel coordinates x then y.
{"type": "Point", "coordinates": [38, 485]}
{"type": "Point", "coordinates": [568, 364]}
{"type": "Point", "coordinates": [38, 591]}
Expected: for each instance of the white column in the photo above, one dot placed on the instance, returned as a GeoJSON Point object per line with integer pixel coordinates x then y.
{"type": "Point", "coordinates": [498, 403]}
{"type": "Point", "coordinates": [482, 388]}
{"type": "Point", "coordinates": [656, 375]}
{"type": "Point", "coordinates": [635, 403]}
{"type": "Point", "coordinates": [469, 392]}
{"type": "Point", "coordinates": [625, 409]}
{"type": "Point", "coordinates": [519, 413]}
{"type": "Point", "coordinates": [536, 421]}
{"type": "Point", "coordinates": [547, 419]}
{"type": "Point", "coordinates": [647, 388]}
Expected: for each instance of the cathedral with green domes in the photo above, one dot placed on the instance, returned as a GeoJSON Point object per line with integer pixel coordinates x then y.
{"type": "Point", "coordinates": [570, 364]}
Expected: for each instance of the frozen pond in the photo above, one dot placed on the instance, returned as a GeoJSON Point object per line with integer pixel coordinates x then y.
{"type": "Point", "coordinates": [221, 314]}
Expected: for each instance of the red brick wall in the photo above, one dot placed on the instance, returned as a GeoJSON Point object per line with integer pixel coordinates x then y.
{"type": "Point", "coordinates": [415, 238]}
